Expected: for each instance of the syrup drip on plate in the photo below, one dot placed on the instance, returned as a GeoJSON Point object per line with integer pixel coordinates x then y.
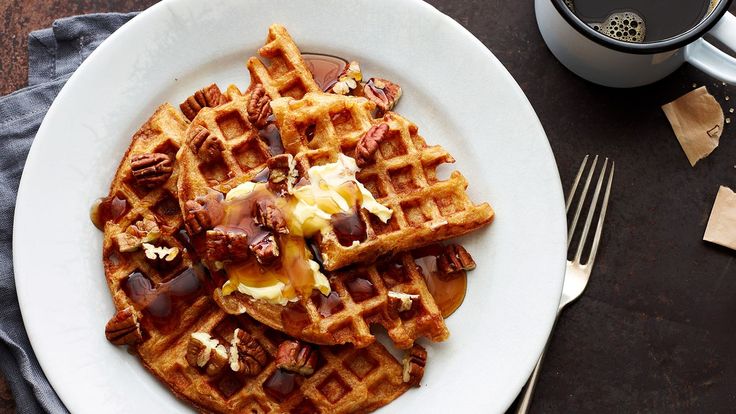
{"type": "Point", "coordinates": [325, 68]}
{"type": "Point", "coordinates": [448, 290]}
{"type": "Point", "coordinates": [107, 208]}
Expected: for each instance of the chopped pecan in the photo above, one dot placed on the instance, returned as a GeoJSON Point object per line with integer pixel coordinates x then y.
{"type": "Point", "coordinates": [368, 144]}
{"type": "Point", "coordinates": [259, 107]}
{"type": "Point", "coordinates": [453, 259]}
{"type": "Point", "coordinates": [222, 246]}
{"type": "Point", "coordinates": [348, 80]}
{"type": "Point", "coordinates": [383, 93]}
{"type": "Point", "coordinates": [246, 354]}
{"type": "Point", "coordinates": [204, 144]}
{"type": "Point", "coordinates": [151, 169]}
{"type": "Point", "coordinates": [209, 96]}
{"type": "Point", "coordinates": [207, 353]}
{"type": "Point", "coordinates": [400, 302]}
{"type": "Point", "coordinates": [143, 231]}
{"type": "Point", "coordinates": [414, 361]}
{"type": "Point", "coordinates": [297, 357]}
{"type": "Point", "coordinates": [270, 216]}
{"type": "Point", "coordinates": [203, 213]}
{"type": "Point", "coordinates": [123, 328]}
{"type": "Point", "coordinates": [281, 172]}
{"type": "Point", "coordinates": [266, 249]}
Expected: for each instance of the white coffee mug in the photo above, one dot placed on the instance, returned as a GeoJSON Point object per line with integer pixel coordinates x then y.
{"type": "Point", "coordinates": [611, 62]}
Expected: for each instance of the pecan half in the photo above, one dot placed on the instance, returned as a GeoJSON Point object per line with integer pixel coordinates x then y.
{"type": "Point", "coordinates": [281, 173]}
{"type": "Point", "coordinates": [209, 96]}
{"type": "Point", "coordinates": [383, 93]}
{"type": "Point", "coordinates": [204, 144]}
{"type": "Point", "coordinates": [123, 328]}
{"type": "Point", "coordinates": [270, 216]}
{"type": "Point", "coordinates": [206, 353]}
{"type": "Point", "coordinates": [246, 354]}
{"type": "Point", "coordinates": [259, 107]}
{"type": "Point", "coordinates": [222, 246]}
{"type": "Point", "coordinates": [297, 357]}
{"type": "Point", "coordinates": [414, 361]}
{"type": "Point", "coordinates": [368, 144]}
{"type": "Point", "coordinates": [266, 249]}
{"type": "Point", "coordinates": [151, 169]}
{"type": "Point", "coordinates": [453, 259]}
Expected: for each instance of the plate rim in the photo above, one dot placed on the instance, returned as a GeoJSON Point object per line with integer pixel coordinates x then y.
{"type": "Point", "coordinates": [149, 16]}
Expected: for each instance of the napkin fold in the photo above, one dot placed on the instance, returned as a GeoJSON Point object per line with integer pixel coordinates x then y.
{"type": "Point", "coordinates": [721, 227]}
{"type": "Point", "coordinates": [697, 119]}
{"type": "Point", "coordinates": [53, 55]}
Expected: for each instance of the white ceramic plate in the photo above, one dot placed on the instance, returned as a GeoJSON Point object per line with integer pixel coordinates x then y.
{"type": "Point", "coordinates": [454, 89]}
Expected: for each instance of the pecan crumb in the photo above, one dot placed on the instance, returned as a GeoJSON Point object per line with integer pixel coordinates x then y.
{"type": "Point", "coordinates": [414, 361]}
{"type": "Point", "coordinates": [281, 173]}
{"type": "Point", "coordinates": [383, 93]}
{"type": "Point", "coordinates": [400, 302]}
{"type": "Point", "coordinates": [259, 107]}
{"type": "Point", "coordinates": [246, 354]}
{"type": "Point", "coordinates": [209, 96]}
{"type": "Point", "coordinates": [207, 353]}
{"type": "Point", "coordinates": [222, 246]}
{"type": "Point", "coordinates": [143, 231]}
{"type": "Point", "coordinates": [123, 328]}
{"type": "Point", "coordinates": [297, 357]}
{"type": "Point", "coordinates": [151, 169]}
{"type": "Point", "coordinates": [204, 144]}
{"type": "Point", "coordinates": [368, 144]}
{"type": "Point", "coordinates": [453, 259]}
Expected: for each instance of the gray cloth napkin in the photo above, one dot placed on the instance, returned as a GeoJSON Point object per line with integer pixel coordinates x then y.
{"type": "Point", "coordinates": [53, 55]}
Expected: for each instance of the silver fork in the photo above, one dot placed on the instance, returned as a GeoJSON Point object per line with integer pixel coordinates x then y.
{"type": "Point", "coordinates": [577, 273]}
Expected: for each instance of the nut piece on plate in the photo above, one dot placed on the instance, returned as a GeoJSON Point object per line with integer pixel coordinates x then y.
{"type": "Point", "coordinates": [209, 96]}
{"type": "Point", "coordinates": [266, 249]}
{"type": "Point", "coordinates": [281, 175]}
{"type": "Point", "coordinates": [297, 357]}
{"type": "Point", "coordinates": [454, 259]}
{"type": "Point", "coordinates": [400, 302]}
{"type": "Point", "coordinates": [383, 93]}
{"type": "Point", "coordinates": [259, 107]}
{"type": "Point", "coordinates": [123, 328]}
{"type": "Point", "coordinates": [143, 231]}
{"type": "Point", "coordinates": [151, 169]}
{"type": "Point", "coordinates": [348, 80]}
{"type": "Point", "coordinates": [206, 352]}
{"type": "Point", "coordinates": [222, 246]}
{"type": "Point", "coordinates": [246, 354]}
{"type": "Point", "coordinates": [204, 144]}
{"type": "Point", "coordinates": [368, 144]}
{"type": "Point", "coordinates": [414, 361]}
{"type": "Point", "coordinates": [270, 216]}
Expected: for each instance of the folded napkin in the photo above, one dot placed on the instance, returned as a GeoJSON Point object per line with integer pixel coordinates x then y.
{"type": "Point", "coordinates": [53, 55]}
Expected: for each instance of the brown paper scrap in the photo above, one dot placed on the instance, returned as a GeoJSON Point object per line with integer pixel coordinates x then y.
{"type": "Point", "coordinates": [697, 120]}
{"type": "Point", "coordinates": [721, 227]}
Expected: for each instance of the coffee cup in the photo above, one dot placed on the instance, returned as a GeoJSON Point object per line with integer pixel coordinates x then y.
{"type": "Point", "coordinates": [611, 61]}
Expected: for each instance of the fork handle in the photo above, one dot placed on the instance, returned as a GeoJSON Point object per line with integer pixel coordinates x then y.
{"type": "Point", "coordinates": [526, 399]}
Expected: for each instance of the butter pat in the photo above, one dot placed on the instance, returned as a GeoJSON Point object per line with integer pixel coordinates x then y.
{"type": "Point", "coordinates": [271, 294]}
{"type": "Point", "coordinates": [721, 227]}
{"type": "Point", "coordinates": [242, 190]}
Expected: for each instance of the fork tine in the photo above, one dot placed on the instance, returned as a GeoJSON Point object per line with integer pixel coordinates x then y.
{"type": "Point", "coordinates": [575, 184]}
{"type": "Point", "coordinates": [591, 212]}
{"type": "Point", "coordinates": [599, 226]}
{"type": "Point", "coordinates": [581, 201]}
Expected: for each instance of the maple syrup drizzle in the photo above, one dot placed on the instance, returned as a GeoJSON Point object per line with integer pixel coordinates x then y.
{"type": "Point", "coordinates": [294, 317]}
{"type": "Point", "coordinates": [262, 176]}
{"type": "Point", "coordinates": [159, 301]}
{"type": "Point", "coordinates": [325, 68]}
{"type": "Point", "coordinates": [448, 291]}
{"type": "Point", "coordinates": [349, 227]}
{"type": "Point", "coordinates": [280, 385]}
{"type": "Point", "coordinates": [108, 208]}
{"type": "Point", "coordinates": [360, 289]}
{"type": "Point", "coordinates": [327, 305]}
{"type": "Point", "coordinates": [272, 137]}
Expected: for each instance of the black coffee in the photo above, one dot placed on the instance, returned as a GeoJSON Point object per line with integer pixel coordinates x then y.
{"type": "Point", "coordinates": [641, 21]}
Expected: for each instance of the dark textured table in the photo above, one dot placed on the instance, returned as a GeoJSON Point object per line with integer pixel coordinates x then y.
{"type": "Point", "coordinates": [653, 331]}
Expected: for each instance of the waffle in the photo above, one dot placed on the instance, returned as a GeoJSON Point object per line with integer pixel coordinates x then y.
{"type": "Point", "coordinates": [403, 176]}
{"type": "Point", "coordinates": [359, 299]}
{"type": "Point", "coordinates": [171, 300]}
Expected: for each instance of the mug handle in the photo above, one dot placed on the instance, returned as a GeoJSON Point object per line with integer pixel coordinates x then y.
{"type": "Point", "coordinates": [709, 59]}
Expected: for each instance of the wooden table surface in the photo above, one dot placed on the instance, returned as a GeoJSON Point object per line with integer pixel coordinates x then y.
{"type": "Point", "coordinates": [653, 332]}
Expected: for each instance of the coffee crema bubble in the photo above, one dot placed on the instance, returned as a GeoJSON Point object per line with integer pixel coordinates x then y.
{"type": "Point", "coordinates": [626, 26]}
